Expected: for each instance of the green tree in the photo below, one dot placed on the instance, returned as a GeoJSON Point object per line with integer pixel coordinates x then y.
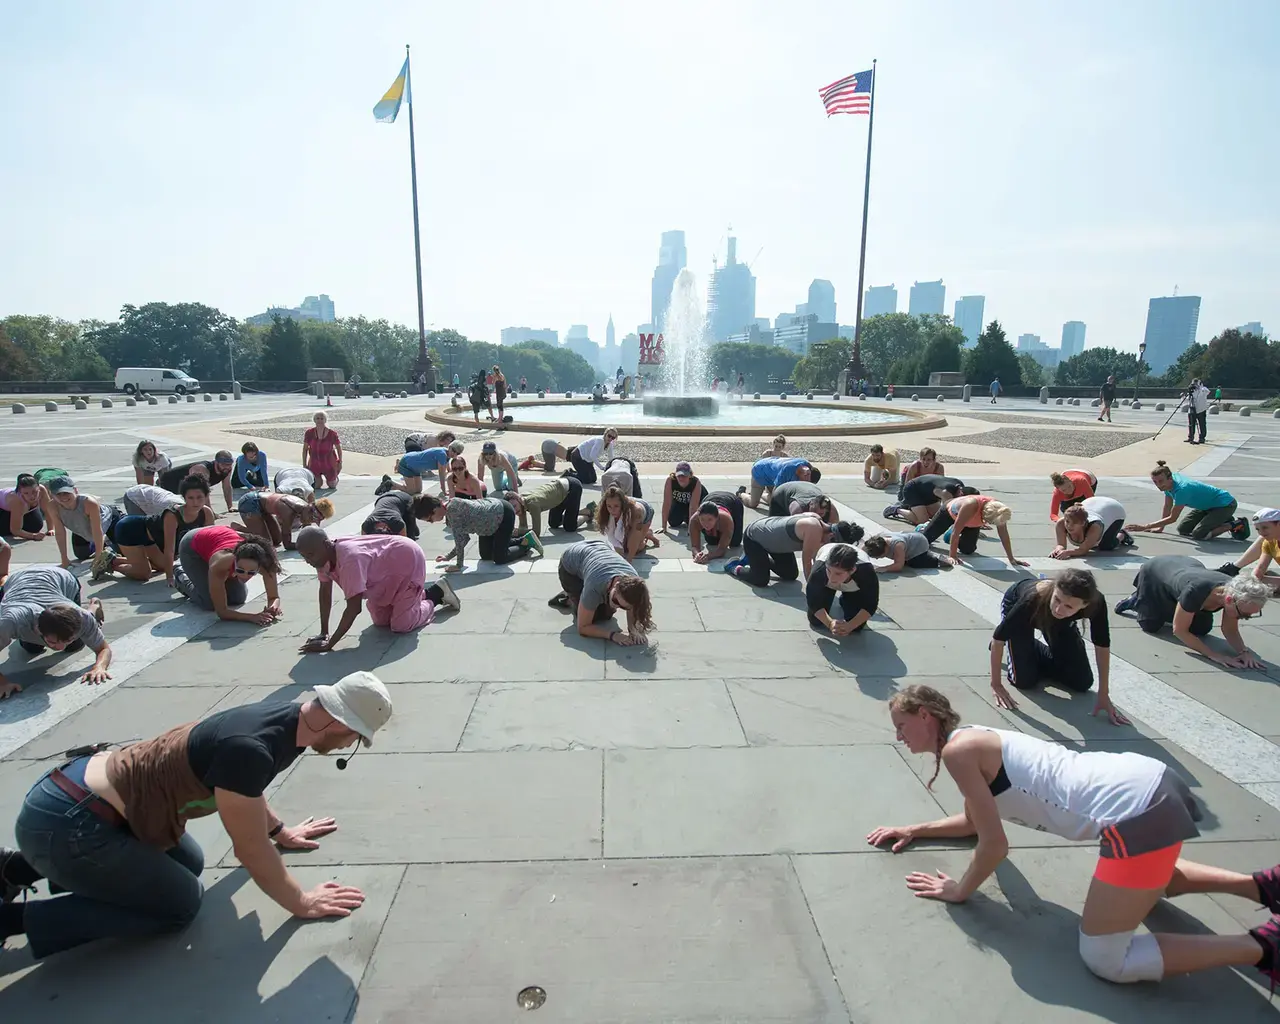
{"type": "Point", "coordinates": [1092, 367]}
{"type": "Point", "coordinates": [14, 364]}
{"type": "Point", "coordinates": [187, 335]}
{"type": "Point", "coordinates": [1180, 373]}
{"type": "Point", "coordinates": [992, 357]}
{"type": "Point", "coordinates": [890, 339]}
{"type": "Point", "coordinates": [1033, 374]}
{"type": "Point", "coordinates": [821, 367]}
{"type": "Point", "coordinates": [1235, 360]}
{"type": "Point", "coordinates": [56, 349]}
{"type": "Point", "coordinates": [325, 347]}
{"type": "Point", "coordinates": [758, 364]}
{"type": "Point", "coordinates": [942, 348]}
{"type": "Point", "coordinates": [284, 353]}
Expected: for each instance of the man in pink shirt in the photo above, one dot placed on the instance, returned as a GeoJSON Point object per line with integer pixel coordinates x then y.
{"type": "Point", "coordinates": [386, 571]}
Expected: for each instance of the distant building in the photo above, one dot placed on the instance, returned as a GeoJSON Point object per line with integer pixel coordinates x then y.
{"type": "Point", "coordinates": [578, 340]}
{"type": "Point", "coordinates": [968, 317]}
{"type": "Point", "coordinates": [671, 260]}
{"type": "Point", "coordinates": [313, 307]}
{"type": "Point", "coordinates": [822, 300]}
{"type": "Point", "coordinates": [755, 334]}
{"type": "Point", "coordinates": [629, 353]}
{"type": "Point", "coordinates": [927, 297]}
{"type": "Point", "coordinates": [803, 332]}
{"type": "Point", "coordinates": [764, 323]}
{"type": "Point", "coordinates": [1038, 350]}
{"type": "Point", "coordinates": [784, 320]}
{"type": "Point", "coordinates": [520, 335]}
{"type": "Point", "coordinates": [880, 299]}
{"type": "Point", "coordinates": [731, 299]}
{"type": "Point", "coordinates": [1171, 329]}
{"type": "Point", "coordinates": [1072, 339]}
{"type": "Point", "coordinates": [1252, 327]}
{"type": "Point", "coordinates": [610, 354]}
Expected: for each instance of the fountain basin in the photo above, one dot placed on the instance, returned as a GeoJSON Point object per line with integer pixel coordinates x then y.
{"type": "Point", "coordinates": [682, 406]}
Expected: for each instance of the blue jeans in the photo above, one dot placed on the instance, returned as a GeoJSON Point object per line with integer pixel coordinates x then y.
{"type": "Point", "coordinates": [117, 886]}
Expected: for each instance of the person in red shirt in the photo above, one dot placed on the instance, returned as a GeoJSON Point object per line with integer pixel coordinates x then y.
{"type": "Point", "coordinates": [322, 451]}
{"type": "Point", "coordinates": [1070, 488]}
{"type": "Point", "coordinates": [214, 565]}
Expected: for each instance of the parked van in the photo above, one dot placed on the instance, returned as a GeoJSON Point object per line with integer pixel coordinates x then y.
{"type": "Point", "coordinates": [133, 379]}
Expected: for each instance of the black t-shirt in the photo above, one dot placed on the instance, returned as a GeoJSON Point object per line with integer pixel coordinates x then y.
{"type": "Point", "coordinates": [1182, 579]}
{"type": "Point", "coordinates": [242, 749]}
{"type": "Point", "coordinates": [171, 479]}
{"type": "Point", "coordinates": [1021, 617]}
{"type": "Point", "coordinates": [393, 510]}
{"type": "Point", "coordinates": [1108, 392]}
{"type": "Point", "coordinates": [920, 491]}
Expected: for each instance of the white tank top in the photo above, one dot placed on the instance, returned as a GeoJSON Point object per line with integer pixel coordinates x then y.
{"type": "Point", "coordinates": [1069, 793]}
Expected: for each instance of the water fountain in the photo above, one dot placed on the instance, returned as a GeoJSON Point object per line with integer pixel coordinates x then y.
{"type": "Point", "coordinates": [684, 367]}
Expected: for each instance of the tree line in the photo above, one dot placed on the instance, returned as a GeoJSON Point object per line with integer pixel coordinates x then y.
{"type": "Point", "coordinates": [204, 342]}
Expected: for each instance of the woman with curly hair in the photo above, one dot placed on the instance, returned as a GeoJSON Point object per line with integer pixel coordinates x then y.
{"type": "Point", "coordinates": [214, 565]}
{"type": "Point", "coordinates": [595, 582]}
{"type": "Point", "coordinates": [627, 523]}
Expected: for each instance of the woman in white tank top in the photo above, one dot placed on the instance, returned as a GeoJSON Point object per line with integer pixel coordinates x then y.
{"type": "Point", "coordinates": [1139, 811]}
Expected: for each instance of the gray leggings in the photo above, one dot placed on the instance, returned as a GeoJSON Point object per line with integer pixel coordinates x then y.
{"type": "Point", "coordinates": [191, 578]}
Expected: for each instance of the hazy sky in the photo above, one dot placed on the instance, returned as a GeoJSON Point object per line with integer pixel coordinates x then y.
{"type": "Point", "coordinates": [1067, 161]}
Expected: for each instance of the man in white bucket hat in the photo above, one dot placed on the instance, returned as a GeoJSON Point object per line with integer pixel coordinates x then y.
{"type": "Point", "coordinates": [108, 828]}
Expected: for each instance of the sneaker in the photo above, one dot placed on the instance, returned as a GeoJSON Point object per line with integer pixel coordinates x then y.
{"type": "Point", "coordinates": [742, 489]}
{"type": "Point", "coordinates": [383, 487]}
{"type": "Point", "coordinates": [946, 537]}
{"type": "Point", "coordinates": [1268, 937]}
{"type": "Point", "coordinates": [101, 564]}
{"type": "Point", "coordinates": [1127, 604]}
{"type": "Point", "coordinates": [531, 541]}
{"type": "Point", "coordinates": [561, 600]}
{"type": "Point", "coordinates": [9, 891]}
{"type": "Point", "coordinates": [590, 510]}
{"type": "Point", "coordinates": [450, 598]}
{"type": "Point", "coordinates": [1125, 538]}
{"type": "Point", "coordinates": [731, 565]}
{"type": "Point", "coordinates": [891, 511]}
{"type": "Point", "coordinates": [1268, 883]}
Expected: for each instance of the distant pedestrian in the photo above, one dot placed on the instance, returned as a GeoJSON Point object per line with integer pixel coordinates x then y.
{"type": "Point", "coordinates": [457, 381]}
{"type": "Point", "coordinates": [1197, 411]}
{"type": "Point", "coordinates": [1217, 394]}
{"type": "Point", "coordinates": [995, 389]}
{"type": "Point", "coordinates": [1107, 395]}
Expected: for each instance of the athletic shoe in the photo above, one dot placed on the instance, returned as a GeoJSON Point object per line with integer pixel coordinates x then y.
{"type": "Point", "coordinates": [742, 489]}
{"type": "Point", "coordinates": [1268, 936]}
{"type": "Point", "coordinates": [1240, 528]}
{"type": "Point", "coordinates": [946, 537]}
{"type": "Point", "coordinates": [891, 511]}
{"type": "Point", "coordinates": [450, 598]}
{"type": "Point", "coordinates": [1125, 538]}
{"type": "Point", "coordinates": [1127, 604]}
{"type": "Point", "coordinates": [530, 540]}
{"type": "Point", "coordinates": [9, 891]}
{"type": "Point", "coordinates": [590, 510]}
{"type": "Point", "coordinates": [561, 600]}
{"type": "Point", "coordinates": [101, 564]}
{"type": "Point", "coordinates": [383, 487]}
{"type": "Point", "coordinates": [731, 565]}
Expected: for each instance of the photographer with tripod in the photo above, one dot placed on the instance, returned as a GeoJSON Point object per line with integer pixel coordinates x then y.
{"type": "Point", "coordinates": [1197, 410]}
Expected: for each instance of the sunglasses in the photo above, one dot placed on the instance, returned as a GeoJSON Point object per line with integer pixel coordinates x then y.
{"type": "Point", "coordinates": [246, 573]}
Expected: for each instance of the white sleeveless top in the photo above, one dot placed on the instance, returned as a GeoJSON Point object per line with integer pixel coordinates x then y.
{"type": "Point", "coordinates": [1069, 793]}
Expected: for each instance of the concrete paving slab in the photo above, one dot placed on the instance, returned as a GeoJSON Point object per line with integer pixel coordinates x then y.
{"type": "Point", "coordinates": [688, 803]}
{"type": "Point", "coordinates": [763, 612]}
{"type": "Point", "coordinates": [876, 653]}
{"type": "Point", "coordinates": [1249, 698]}
{"type": "Point", "coordinates": [707, 655]}
{"type": "Point", "coordinates": [523, 657]}
{"type": "Point", "coordinates": [663, 713]}
{"type": "Point", "coordinates": [1054, 713]}
{"type": "Point", "coordinates": [265, 965]}
{"type": "Point", "coordinates": [931, 613]}
{"type": "Point", "coordinates": [533, 615]}
{"type": "Point", "coordinates": [629, 942]}
{"type": "Point", "coordinates": [1011, 949]}
{"type": "Point", "coordinates": [514, 805]}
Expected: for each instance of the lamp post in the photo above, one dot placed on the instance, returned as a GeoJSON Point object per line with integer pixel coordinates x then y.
{"type": "Point", "coordinates": [1142, 348]}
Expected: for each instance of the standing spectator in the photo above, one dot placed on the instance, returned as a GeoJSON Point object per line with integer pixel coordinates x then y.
{"type": "Point", "coordinates": [148, 460]}
{"type": "Point", "coordinates": [524, 384]}
{"type": "Point", "coordinates": [322, 451]}
{"type": "Point", "coordinates": [995, 389]}
{"type": "Point", "coordinates": [1217, 393]}
{"type": "Point", "coordinates": [1197, 411]}
{"type": "Point", "coordinates": [1107, 395]}
{"type": "Point", "coordinates": [499, 389]}
{"type": "Point", "coordinates": [457, 382]}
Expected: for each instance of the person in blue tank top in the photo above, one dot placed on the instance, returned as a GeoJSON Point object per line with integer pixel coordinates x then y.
{"type": "Point", "coordinates": [414, 465]}
{"type": "Point", "coordinates": [1213, 510]}
{"type": "Point", "coordinates": [769, 473]}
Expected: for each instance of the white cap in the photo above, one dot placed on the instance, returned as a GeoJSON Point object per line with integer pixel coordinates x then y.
{"type": "Point", "coordinates": [359, 701]}
{"type": "Point", "coordinates": [1267, 515]}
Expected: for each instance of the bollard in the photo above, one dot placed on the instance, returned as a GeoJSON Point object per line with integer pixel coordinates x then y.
{"type": "Point", "coordinates": [941, 399]}
{"type": "Point", "coordinates": [208, 397]}
{"type": "Point", "coordinates": [173, 399]}
{"type": "Point", "coordinates": [1096, 402]}
{"type": "Point", "coordinates": [130, 402]}
{"type": "Point", "coordinates": [1044, 396]}
{"type": "Point", "coordinates": [1214, 409]}
{"type": "Point", "coordinates": [222, 396]}
{"type": "Point", "coordinates": [968, 391]}
{"type": "Point", "coordinates": [568, 394]}
{"type": "Point", "coordinates": [50, 406]}
{"type": "Point", "coordinates": [235, 390]}
{"type": "Point", "coordinates": [1057, 401]}
{"type": "Point", "coordinates": [404, 394]}
{"type": "Point", "coordinates": [862, 398]}
{"type": "Point", "coordinates": [1136, 405]}
{"type": "Point", "coordinates": [1124, 401]}
{"type": "Point", "coordinates": [783, 396]}
{"type": "Point", "coordinates": [541, 394]}
{"type": "Point", "coordinates": [1276, 415]}
{"type": "Point", "coordinates": [835, 397]}
{"type": "Point", "coordinates": [1245, 411]}
{"type": "Point", "coordinates": [757, 396]}
{"type": "Point", "coordinates": [80, 404]}
{"type": "Point", "coordinates": [317, 388]}
{"type": "Point", "coordinates": [431, 394]}
{"type": "Point", "coordinates": [809, 397]}
{"type": "Point", "coordinates": [107, 403]}
{"type": "Point", "coordinates": [191, 398]}
{"type": "Point", "coordinates": [152, 400]}
{"type": "Point", "coordinates": [1159, 406]}
{"type": "Point", "coordinates": [915, 398]}
{"type": "Point", "coordinates": [19, 408]}
{"type": "Point", "coordinates": [889, 398]}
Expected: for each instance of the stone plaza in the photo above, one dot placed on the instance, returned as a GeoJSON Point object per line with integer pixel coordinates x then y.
{"type": "Point", "coordinates": [665, 834]}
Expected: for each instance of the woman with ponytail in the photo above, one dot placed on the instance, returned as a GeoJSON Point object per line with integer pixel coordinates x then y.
{"type": "Point", "coordinates": [840, 569]}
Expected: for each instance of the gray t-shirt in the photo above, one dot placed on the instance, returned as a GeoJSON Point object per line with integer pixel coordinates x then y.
{"type": "Point", "coordinates": [152, 500]}
{"type": "Point", "coordinates": [776, 534]}
{"type": "Point", "coordinates": [30, 591]}
{"type": "Point", "coordinates": [797, 490]}
{"type": "Point", "coordinates": [597, 565]}
{"type": "Point", "coordinates": [917, 544]}
{"type": "Point", "coordinates": [296, 481]}
{"type": "Point", "coordinates": [76, 520]}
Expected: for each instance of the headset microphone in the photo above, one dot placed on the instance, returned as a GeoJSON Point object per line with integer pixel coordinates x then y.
{"type": "Point", "coordinates": [344, 761]}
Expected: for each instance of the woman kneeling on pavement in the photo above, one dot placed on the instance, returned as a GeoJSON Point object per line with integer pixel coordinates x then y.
{"type": "Point", "coordinates": [838, 569]}
{"type": "Point", "coordinates": [719, 519]}
{"type": "Point", "coordinates": [908, 550]}
{"type": "Point", "coordinates": [1096, 524]}
{"type": "Point", "coordinates": [1069, 489]}
{"type": "Point", "coordinates": [963, 517]}
{"type": "Point", "coordinates": [595, 581]}
{"type": "Point", "coordinates": [770, 545]}
{"type": "Point", "coordinates": [149, 543]}
{"type": "Point", "coordinates": [559, 498]}
{"type": "Point", "coordinates": [275, 516]}
{"type": "Point", "coordinates": [1053, 606]}
{"type": "Point", "coordinates": [682, 494]}
{"type": "Point", "coordinates": [1139, 810]}
{"type": "Point", "coordinates": [1213, 510]}
{"type": "Point", "coordinates": [1178, 589]}
{"type": "Point", "coordinates": [214, 564]}
{"type": "Point", "coordinates": [627, 523]}
{"type": "Point", "coordinates": [1265, 550]}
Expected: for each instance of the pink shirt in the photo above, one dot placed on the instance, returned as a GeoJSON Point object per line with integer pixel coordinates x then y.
{"type": "Point", "coordinates": [376, 567]}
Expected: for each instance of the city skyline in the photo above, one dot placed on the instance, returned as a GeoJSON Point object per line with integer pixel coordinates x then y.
{"type": "Point", "coordinates": [1030, 213]}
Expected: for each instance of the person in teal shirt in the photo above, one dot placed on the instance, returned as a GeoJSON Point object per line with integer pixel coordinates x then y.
{"type": "Point", "coordinates": [1213, 510]}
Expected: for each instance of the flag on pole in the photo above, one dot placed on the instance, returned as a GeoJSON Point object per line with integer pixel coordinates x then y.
{"type": "Point", "coordinates": [389, 106]}
{"type": "Point", "coordinates": [850, 95]}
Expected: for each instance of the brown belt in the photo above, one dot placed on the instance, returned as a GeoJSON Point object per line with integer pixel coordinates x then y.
{"type": "Point", "coordinates": [78, 793]}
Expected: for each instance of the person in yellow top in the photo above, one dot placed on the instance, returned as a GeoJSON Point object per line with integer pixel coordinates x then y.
{"type": "Point", "coordinates": [1264, 550]}
{"type": "Point", "coordinates": [881, 468]}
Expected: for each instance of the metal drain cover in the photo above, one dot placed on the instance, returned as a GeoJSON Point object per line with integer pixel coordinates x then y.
{"type": "Point", "coordinates": [531, 998]}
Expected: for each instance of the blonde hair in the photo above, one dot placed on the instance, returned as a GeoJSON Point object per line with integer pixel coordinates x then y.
{"type": "Point", "coordinates": [915, 699]}
{"type": "Point", "coordinates": [996, 514]}
{"type": "Point", "coordinates": [325, 507]}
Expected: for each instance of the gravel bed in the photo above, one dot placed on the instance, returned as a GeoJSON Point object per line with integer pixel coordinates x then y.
{"type": "Point", "coordinates": [377, 439]}
{"type": "Point", "coordinates": [1080, 423]}
{"type": "Point", "coordinates": [1087, 442]}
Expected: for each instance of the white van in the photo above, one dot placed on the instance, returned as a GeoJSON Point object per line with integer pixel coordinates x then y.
{"type": "Point", "coordinates": [133, 379]}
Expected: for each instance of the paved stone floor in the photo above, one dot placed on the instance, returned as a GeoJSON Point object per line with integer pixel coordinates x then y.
{"type": "Point", "coordinates": [675, 834]}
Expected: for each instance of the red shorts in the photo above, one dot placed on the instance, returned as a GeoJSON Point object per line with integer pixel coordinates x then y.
{"type": "Point", "coordinates": [1152, 870]}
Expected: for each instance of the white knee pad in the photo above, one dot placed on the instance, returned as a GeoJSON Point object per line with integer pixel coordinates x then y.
{"type": "Point", "coordinates": [1123, 957]}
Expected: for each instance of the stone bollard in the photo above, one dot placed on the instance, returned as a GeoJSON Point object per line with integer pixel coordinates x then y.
{"type": "Point", "coordinates": [19, 408]}
{"type": "Point", "coordinates": [1044, 396]}
{"type": "Point", "coordinates": [152, 400]}
{"type": "Point", "coordinates": [317, 388]}
{"type": "Point", "coordinates": [208, 397]}
{"type": "Point", "coordinates": [1124, 401]}
{"type": "Point", "coordinates": [1096, 402]}
{"type": "Point", "coordinates": [757, 396]}
{"type": "Point", "coordinates": [377, 394]}
{"type": "Point", "coordinates": [968, 392]}
{"type": "Point", "coordinates": [222, 396]}
{"type": "Point", "coordinates": [1275, 415]}
{"type": "Point", "coordinates": [191, 398]}
{"type": "Point", "coordinates": [888, 398]}
{"type": "Point", "coordinates": [173, 399]}
{"type": "Point", "coordinates": [541, 394]}
{"type": "Point", "coordinates": [1057, 401]}
{"type": "Point", "coordinates": [50, 406]}
{"type": "Point", "coordinates": [835, 397]}
{"type": "Point", "coordinates": [783, 396]}
{"type": "Point", "coordinates": [809, 397]}
{"type": "Point", "coordinates": [431, 394]}
{"type": "Point", "coordinates": [915, 398]}
{"type": "Point", "coordinates": [404, 394]}
{"type": "Point", "coordinates": [862, 398]}
{"type": "Point", "coordinates": [235, 390]}
{"type": "Point", "coordinates": [941, 399]}
{"type": "Point", "coordinates": [568, 394]}
{"type": "Point", "coordinates": [81, 405]}
{"type": "Point", "coordinates": [107, 403]}
{"type": "Point", "coordinates": [1159, 406]}
{"type": "Point", "coordinates": [1075, 401]}
{"type": "Point", "coordinates": [1215, 409]}
{"type": "Point", "coordinates": [1245, 411]}
{"type": "Point", "coordinates": [1136, 405]}
{"type": "Point", "coordinates": [130, 402]}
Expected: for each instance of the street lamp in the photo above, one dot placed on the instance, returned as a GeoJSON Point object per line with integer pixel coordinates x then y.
{"type": "Point", "coordinates": [1142, 349]}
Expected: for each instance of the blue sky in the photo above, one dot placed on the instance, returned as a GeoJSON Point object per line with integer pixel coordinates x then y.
{"type": "Point", "coordinates": [1067, 161]}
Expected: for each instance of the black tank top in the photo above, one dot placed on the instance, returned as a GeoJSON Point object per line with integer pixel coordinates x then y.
{"type": "Point", "coordinates": [682, 495]}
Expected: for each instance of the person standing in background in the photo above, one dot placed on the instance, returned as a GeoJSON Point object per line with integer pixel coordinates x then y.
{"type": "Point", "coordinates": [1107, 395]}
{"type": "Point", "coordinates": [995, 389]}
{"type": "Point", "coordinates": [1197, 411]}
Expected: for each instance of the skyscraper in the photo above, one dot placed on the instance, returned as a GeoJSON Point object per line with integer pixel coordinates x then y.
{"type": "Point", "coordinates": [1171, 329]}
{"type": "Point", "coordinates": [610, 337]}
{"type": "Point", "coordinates": [520, 335]}
{"type": "Point", "coordinates": [610, 354]}
{"type": "Point", "coordinates": [578, 340]}
{"type": "Point", "coordinates": [671, 260]}
{"type": "Point", "coordinates": [968, 317]}
{"type": "Point", "coordinates": [927, 297]}
{"type": "Point", "coordinates": [822, 301]}
{"type": "Point", "coordinates": [1252, 327]}
{"type": "Point", "coordinates": [1072, 339]}
{"type": "Point", "coordinates": [880, 299]}
{"type": "Point", "coordinates": [731, 299]}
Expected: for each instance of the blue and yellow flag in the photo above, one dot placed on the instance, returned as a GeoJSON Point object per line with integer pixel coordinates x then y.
{"type": "Point", "coordinates": [389, 106]}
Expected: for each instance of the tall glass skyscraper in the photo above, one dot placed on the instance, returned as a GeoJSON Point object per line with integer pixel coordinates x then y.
{"type": "Point", "coordinates": [968, 317]}
{"type": "Point", "coordinates": [1072, 339]}
{"type": "Point", "coordinates": [671, 260]}
{"type": "Point", "coordinates": [1171, 329]}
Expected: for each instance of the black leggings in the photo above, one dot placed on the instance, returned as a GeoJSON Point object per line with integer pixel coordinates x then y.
{"type": "Point", "coordinates": [572, 585]}
{"type": "Point", "coordinates": [1111, 537]}
{"type": "Point", "coordinates": [565, 515]}
{"type": "Point", "coordinates": [32, 522]}
{"type": "Point", "coordinates": [497, 547]}
{"type": "Point", "coordinates": [678, 514]}
{"type": "Point", "coordinates": [586, 470]}
{"type": "Point", "coordinates": [819, 595]}
{"type": "Point", "coordinates": [1063, 659]}
{"type": "Point", "coordinates": [926, 561]}
{"type": "Point", "coordinates": [82, 547]}
{"type": "Point", "coordinates": [1201, 624]}
{"type": "Point", "coordinates": [942, 520]}
{"type": "Point", "coordinates": [759, 562]}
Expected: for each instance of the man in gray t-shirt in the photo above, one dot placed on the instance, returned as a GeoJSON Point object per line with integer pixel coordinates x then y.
{"type": "Point", "coordinates": [41, 609]}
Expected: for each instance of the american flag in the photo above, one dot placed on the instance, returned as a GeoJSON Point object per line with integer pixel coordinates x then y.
{"type": "Point", "coordinates": [850, 95]}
